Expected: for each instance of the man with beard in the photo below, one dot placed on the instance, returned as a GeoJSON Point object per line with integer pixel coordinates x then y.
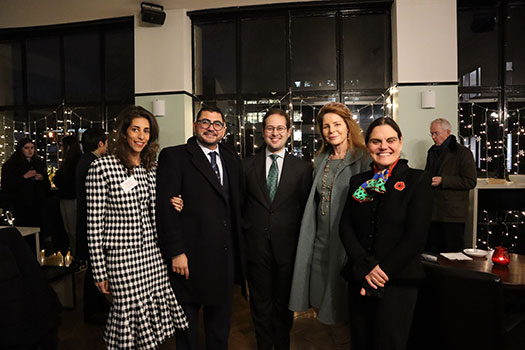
{"type": "Point", "coordinates": [453, 172]}
{"type": "Point", "coordinates": [277, 185]}
{"type": "Point", "coordinates": [203, 242]}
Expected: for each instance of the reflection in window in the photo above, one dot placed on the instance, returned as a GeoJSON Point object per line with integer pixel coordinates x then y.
{"type": "Point", "coordinates": [478, 45]}
{"type": "Point", "coordinates": [366, 48]}
{"type": "Point", "coordinates": [313, 53]}
{"type": "Point", "coordinates": [119, 69]}
{"type": "Point", "coordinates": [43, 71]}
{"type": "Point", "coordinates": [263, 46]}
{"type": "Point", "coordinates": [473, 78]}
{"type": "Point", "coordinates": [215, 63]}
{"type": "Point", "coordinates": [82, 67]}
{"type": "Point", "coordinates": [10, 74]}
{"type": "Point", "coordinates": [515, 50]}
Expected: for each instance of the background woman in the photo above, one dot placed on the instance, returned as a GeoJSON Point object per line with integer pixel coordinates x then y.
{"type": "Point", "coordinates": [65, 181]}
{"type": "Point", "coordinates": [383, 229]}
{"type": "Point", "coordinates": [24, 178]}
{"type": "Point", "coordinates": [122, 237]}
{"type": "Point", "coordinates": [317, 280]}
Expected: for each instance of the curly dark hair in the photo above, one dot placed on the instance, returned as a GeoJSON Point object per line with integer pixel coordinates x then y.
{"type": "Point", "coordinates": [118, 144]}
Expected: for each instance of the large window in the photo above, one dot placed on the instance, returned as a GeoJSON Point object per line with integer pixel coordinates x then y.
{"type": "Point", "coordinates": [297, 57]}
{"type": "Point", "coordinates": [59, 80]}
{"type": "Point", "coordinates": [491, 77]}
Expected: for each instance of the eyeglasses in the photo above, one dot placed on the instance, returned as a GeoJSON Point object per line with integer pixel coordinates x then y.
{"type": "Point", "coordinates": [280, 129]}
{"type": "Point", "coordinates": [205, 124]}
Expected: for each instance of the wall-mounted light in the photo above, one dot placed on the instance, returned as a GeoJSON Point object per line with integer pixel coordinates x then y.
{"type": "Point", "coordinates": [428, 99]}
{"type": "Point", "coordinates": [159, 108]}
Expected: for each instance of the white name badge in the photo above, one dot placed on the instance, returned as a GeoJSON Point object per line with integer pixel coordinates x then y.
{"type": "Point", "coordinates": [129, 184]}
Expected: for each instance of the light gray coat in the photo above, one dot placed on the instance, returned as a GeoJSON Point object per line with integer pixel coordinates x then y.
{"type": "Point", "coordinates": [334, 306]}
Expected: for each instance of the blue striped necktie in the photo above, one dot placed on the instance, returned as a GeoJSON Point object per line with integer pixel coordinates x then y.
{"type": "Point", "coordinates": [214, 166]}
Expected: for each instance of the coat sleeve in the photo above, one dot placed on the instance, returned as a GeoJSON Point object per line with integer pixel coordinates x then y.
{"type": "Point", "coordinates": [466, 177]}
{"type": "Point", "coordinates": [169, 221]}
{"type": "Point", "coordinates": [12, 179]}
{"type": "Point", "coordinates": [358, 257]}
{"type": "Point", "coordinates": [417, 221]}
{"type": "Point", "coordinates": [97, 189]}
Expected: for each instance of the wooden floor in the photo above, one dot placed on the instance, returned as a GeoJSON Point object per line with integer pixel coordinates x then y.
{"type": "Point", "coordinates": [307, 333]}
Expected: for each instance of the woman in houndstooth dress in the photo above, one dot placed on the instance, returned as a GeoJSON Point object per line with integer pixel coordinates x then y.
{"type": "Point", "coordinates": [122, 238]}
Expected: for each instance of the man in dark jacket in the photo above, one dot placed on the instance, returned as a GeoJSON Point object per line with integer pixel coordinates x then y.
{"type": "Point", "coordinates": [277, 185]}
{"type": "Point", "coordinates": [29, 307]}
{"type": "Point", "coordinates": [453, 172]}
{"type": "Point", "coordinates": [94, 145]}
{"type": "Point", "coordinates": [203, 243]}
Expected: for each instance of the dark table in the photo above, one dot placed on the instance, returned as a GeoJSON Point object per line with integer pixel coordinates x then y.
{"type": "Point", "coordinates": [512, 275]}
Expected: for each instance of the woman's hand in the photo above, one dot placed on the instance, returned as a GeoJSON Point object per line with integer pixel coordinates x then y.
{"type": "Point", "coordinates": [103, 286]}
{"type": "Point", "coordinates": [177, 203]}
{"type": "Point", "coordinates": [375, 278]}
{"type": "Point", "coordinates": [30, 174]}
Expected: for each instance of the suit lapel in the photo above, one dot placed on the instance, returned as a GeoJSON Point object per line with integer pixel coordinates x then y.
{"type": "Point", "coordinates": [203, 165]}
{"type": "Point", "coordinates": [260, 174]}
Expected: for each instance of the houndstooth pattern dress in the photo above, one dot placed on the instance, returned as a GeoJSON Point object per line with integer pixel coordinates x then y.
{"type": "Point", "coordinates": [123, 248]}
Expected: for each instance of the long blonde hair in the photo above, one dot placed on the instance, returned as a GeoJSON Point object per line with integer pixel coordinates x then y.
{"type": "Point", "coordinates": [355, 135]}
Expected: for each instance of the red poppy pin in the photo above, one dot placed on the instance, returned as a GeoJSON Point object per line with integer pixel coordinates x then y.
{"type": "Point", "coordinates": [400, 186]}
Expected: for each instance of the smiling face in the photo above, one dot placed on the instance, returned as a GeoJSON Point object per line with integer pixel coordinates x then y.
{"type": "Point", "coordinates": [438, 134]}
{"type": "Point", "coordinates": [208, 136]}
{"type": "Point", "coordinates": [137, 135]}
{"type": "Point", "coordinates": [276, 140]}
{"type": "Point", "coordinates": [384, 146]}
{"type": "Point", "coordinates": [335, 131]}
{"type": "Point", "coordinates": [28, 150]}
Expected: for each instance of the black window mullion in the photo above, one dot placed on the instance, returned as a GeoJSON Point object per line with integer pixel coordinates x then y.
{"type": "Point", "coordinates": [102, 55]}
{"type": "Point", "coordinates": [339, 54]}
{"type": "Point", "coordinates": [62, 68]}
{"type": "Point", "coordinates": [23, 48]}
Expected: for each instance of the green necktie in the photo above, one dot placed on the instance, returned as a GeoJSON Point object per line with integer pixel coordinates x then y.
{"type": "Point", "coordinates": [273, 175]}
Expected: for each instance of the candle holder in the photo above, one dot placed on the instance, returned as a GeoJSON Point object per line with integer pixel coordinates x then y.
{"type": "Point", "coordinates": [501, 256]}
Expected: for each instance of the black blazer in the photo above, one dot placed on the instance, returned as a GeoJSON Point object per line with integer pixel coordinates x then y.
{"type": "Point", "coordinates": [391, 230]}
{"type": "Point", "coordinates": [80, 185]}
{"type": "Point", "coordinates": [278, 221]}
{"type": "Point", "coordinates": [207, 229]}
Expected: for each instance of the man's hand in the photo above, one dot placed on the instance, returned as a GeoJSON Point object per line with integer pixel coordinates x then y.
{"type": "Point", "coordinates": [179, 265]}
{"type": "Point", "coordinates": [177, 203]}
{"type": "Point", "coordinates": [436, 181]}
{"type": "Point", "coordinates": [103, 286]}
{"type": "Point", "coordinates": [38, 177]}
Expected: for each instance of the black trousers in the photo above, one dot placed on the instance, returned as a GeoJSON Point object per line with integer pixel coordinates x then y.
{"type": "Point", "coordinates": [270, 285]}
{"type": "Point", "coordinates": [446, 237]}
{"type": "Point", "coordinates": [217, 320]}
{"type": "Point", "coordinates": [382, 323]}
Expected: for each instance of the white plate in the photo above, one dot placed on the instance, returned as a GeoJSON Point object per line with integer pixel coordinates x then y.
{"type": "Point", "coordinates": [475, 253]}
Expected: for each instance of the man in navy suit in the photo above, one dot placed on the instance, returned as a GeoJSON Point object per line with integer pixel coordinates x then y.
{"type": "Point", "coordinates": [277, 185]}
{"type": "Point", "coordinates": [203, 242]}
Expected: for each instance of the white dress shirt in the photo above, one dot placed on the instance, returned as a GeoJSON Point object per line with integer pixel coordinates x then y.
{"type": "Point", "coordinates": [207, 152]}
